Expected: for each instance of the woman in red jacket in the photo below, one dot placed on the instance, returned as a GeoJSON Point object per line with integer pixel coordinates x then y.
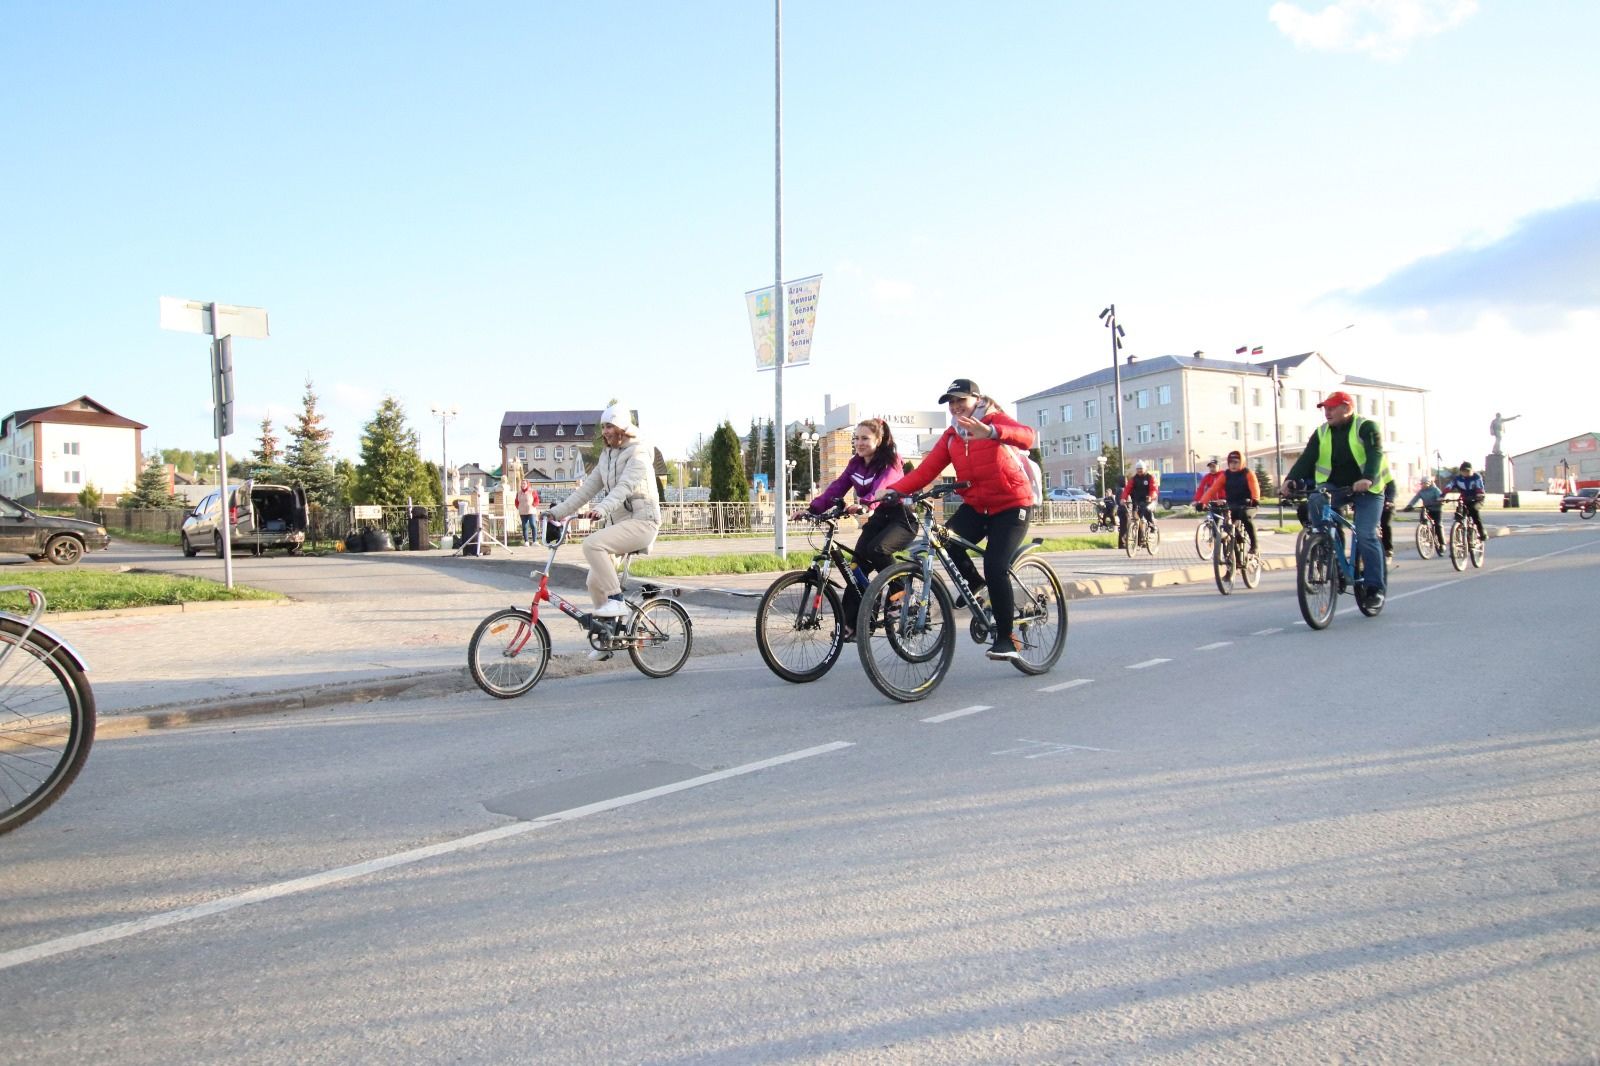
{"type": "Point", "coordinates": [989, 449]}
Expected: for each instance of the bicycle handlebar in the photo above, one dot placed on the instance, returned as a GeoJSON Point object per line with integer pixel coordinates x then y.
{"type": "Point", "coordinates": [926, 494]}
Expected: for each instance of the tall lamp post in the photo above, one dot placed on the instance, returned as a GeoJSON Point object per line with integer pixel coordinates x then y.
{"type": "Point", "coordinates": [1109, 317]}
{"type": "Point", "coordinates": [1101, 459]}
{"type": "Point", "coordinates": [444, 415]}
{"type": "Point", "coordinates": [809, 439]}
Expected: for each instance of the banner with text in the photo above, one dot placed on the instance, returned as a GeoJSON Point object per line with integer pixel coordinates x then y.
{"type": "Point", "coordinates": [801, 318]}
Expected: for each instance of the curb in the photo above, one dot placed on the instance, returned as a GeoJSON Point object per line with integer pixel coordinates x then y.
{"type": "Point", "coordinates": [170, 608]}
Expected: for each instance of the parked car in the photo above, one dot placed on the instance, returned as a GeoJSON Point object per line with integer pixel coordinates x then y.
{"type": "Point", "coordinates": [1068, 495]}
{"type": "Point", "coordinates": [61, 540]}
{"type": "Point", "coordinates": [1581, 498]}
{"type": "Point", "coordinates": [273, 517]}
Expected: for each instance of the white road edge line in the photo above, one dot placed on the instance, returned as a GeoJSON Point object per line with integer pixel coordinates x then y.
{"type": "Point", "coordinates": [1466, 576]}
{"type": "Point", "coordinates": [963, 712]}
{"type": "Point", "coordinates": [1214, 646]}
{"type": "Point", "coordinates": [1147, 662]}
{"type": "Point", "coordinates": [1074, 683]}
{"type": "Point", "coordinates": [91, 937]}
{"type": "Point", "coordinates": [1267, 632]}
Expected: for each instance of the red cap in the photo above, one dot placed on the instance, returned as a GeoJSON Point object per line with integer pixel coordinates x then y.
{"type": "Point", "coordinates": [1334, 399]}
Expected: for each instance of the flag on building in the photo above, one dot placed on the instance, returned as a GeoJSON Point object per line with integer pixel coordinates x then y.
{"type": "Point", "coordinates": [1241, 351]}
{"type": "Point", "coordinates": [1257, 350]}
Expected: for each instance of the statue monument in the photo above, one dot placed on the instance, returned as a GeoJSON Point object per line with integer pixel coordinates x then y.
{"type": "Point", "coordinates": [1497, 473]}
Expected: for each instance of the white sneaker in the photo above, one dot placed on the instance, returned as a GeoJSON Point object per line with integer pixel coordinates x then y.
{"type": "Point", "coordinates": [610, 609]}
{"type": "Point", "coordinates": [598, 656]}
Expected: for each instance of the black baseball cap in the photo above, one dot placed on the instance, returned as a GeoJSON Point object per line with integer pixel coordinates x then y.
{"type": "Point", "coordinates": [960, 387]}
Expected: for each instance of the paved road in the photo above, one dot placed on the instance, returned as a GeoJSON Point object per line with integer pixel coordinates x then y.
{"type": "Point", "coordinates": [1192, 842]}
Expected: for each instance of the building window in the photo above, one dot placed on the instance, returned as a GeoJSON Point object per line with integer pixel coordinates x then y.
{"type": "Point", "coordinates": [1166, 464]}
{"type": "Point", "coordinates": [538, 453]}
{"type": "Point", "coordinates": [516, 431]}
{"type": "Point", "coordinates": [560, 473]}
{"type": "Point", "coordinates": [1144, 434]}
{"type": "Point", "coordinates": [1090, 407]}
{"type": "Point", "coordinates": [1260, 435]}
{"type": "Point", "coordinates": [1045, 448]}
{"type": "Point", "coordinates": [1164, 431]}
{"type": "Point", "coordinates": [1164, 394]}
{"type": "Point", "coordinates": [1300, 396]}
{"type": "Point", "coordinates": [1255, 397]}
{"type": "Point", "coordinates": [70, 448]}
{"type": "Point", "coordinates": [1233, 394]}
{"type": "Point", "coordinates": [522, 454]}
{"type": "Point", "coordinates": [1142, 398]}
{"type": "Point", "coordinates": [1391, 408]}
{"type": "Point", "coordinates": [1374, 406]}
{"type": "Point", "coordinates": [1066, 412]}
{"type": "Point", "coordinates": [1044, 416]}
{"type": "Point", "coordinates": [74, 477]}
{"type": "Point", "coordinates": [1236, 431]}
{"type": "Point", "coordinates": [1092, 442]}
{"type": "Point", "coordinates": [561, 431]}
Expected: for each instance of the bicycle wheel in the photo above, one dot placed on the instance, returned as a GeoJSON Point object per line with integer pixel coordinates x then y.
{"type": "Point", "coordinates": [1475, 546]}
{"type": "Point", "coordinates": [1222, 563]}
{"type": "Point", "coordinates": [1458, 545]}
{"type": "Point", "coordinates": [905, 633]}
{"type": "Point", "coordinates": [660, 638]}
{"type": "Point", "coordinates": [46, 723]}
{"type": "Point", "coordinates": [1299, 542]}
{"type": "Point", "coordinates": [1204, 537]}
{"type": "Point", "coordinates": [1152, 538]}
{"type": "Point", "coordinates": [1427, 546]}
{"type": "Point", "coordinates": [1316, 584]}
{"type": "Point", "coordinates": [1131, 541]}
{"type": "Point", "coordinates": [1251, 568]}
{"type": "Point", "coordinates": [1587, 511]}
{"type": "Point", "coordinates": [800, 627]}
{"type": "Point", "coordinates": [508, 653]}
{"type": "Point", "coordinates": [1040, 624]}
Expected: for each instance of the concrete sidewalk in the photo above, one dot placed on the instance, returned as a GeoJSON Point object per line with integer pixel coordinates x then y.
{"type": "Point", "coordinates": [372, 626]}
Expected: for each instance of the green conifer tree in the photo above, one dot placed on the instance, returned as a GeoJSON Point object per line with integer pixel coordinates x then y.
{"type": "Point", "coordinates": [150, 491]}
{"type": "Point", "coordinates": [391, 469]}
{"type": "Point", "coordinates": [728, 483]}
{"type": "Point", "coordinates": [307, 460]}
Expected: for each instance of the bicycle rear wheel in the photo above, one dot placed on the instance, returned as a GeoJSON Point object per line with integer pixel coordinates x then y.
{"type": "Point", "coordinates": [660, 638]}
{"type": "Point", "coordinates": [1475, 546]}
{"type": "Point", "coordinates": [1427, 545]}
{"type": "Point", "coordinates": [508, 653]}
{"type": "Point", "coordinates": [1252, 570]}
{"type": "Point", "coordinates": [1204, 538]}
{"type": "Point", "coordinates": [905, 633]}
{"type": "Point", "coordinates": [1458, 545]}
{"type": "Point", "coordinates": [1317, 583]}
{"type": "Point", "coordinates": [1222, 564]}
{"type": "Point", "coordinates": [800, 627]}
{"type": "Point", "coordinates": [1040, 622]}
{"type": "Point", "coordinates": [46, 723]}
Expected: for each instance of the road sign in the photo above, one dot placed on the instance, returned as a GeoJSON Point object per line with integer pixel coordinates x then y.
{"type": "Point", "coordinates": [219, 320]}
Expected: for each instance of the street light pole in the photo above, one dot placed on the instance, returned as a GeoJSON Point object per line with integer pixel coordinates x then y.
{"type": "Point", "coordinates": [444, 415]}
{"type": "Point", "coordinates": [1277, 437]}
{"type": "Point", "coordinates": [1109, 317]}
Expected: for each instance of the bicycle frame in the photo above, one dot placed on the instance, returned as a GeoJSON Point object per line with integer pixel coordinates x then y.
{"type": "Point", "coordinates": [935, 542]}
{"type": "Point", "coordinates": [608, 630]}
{"type": "Point", "coordinates": [1324, 518]}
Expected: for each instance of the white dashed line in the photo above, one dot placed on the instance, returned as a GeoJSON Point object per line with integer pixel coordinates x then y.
{"type": "Point", "coordinates": [1147, 662]}
{"type": "Point", "coordinates": [958, 714]}
{"type": "Point", "coordinates": [1267, 632]}
{"type": "Point", "coordinates": [1214, 647]}
{"type": "Point", "coordinates": [1074, 683]}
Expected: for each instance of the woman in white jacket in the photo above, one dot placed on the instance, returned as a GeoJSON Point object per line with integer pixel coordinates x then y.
{"type": "Point", "coordinates": [622, 486]}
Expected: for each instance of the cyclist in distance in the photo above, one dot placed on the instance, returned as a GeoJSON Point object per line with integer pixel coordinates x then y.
{"type": "Point", "coordinates": [622, 489]}
{"type": "Point", "coordinates": [1470, 486]}
{"type": "Point", "coordinates": [1238, 485]}
{"type": "Point", "coordinates": [1140, 490]}
{"type": "Point", "coordinates": [1212, 474]}
{"type": "Point", "coordinates": [1431, 497]}
{"type": "Point", "coordinates": [874, 467]}
{"type": "Point", "coordinates": [1346, 453]}
{"type": "Point", "coordinates": [988, 448]}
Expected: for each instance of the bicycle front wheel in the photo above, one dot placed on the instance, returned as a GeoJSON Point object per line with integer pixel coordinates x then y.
{"type": "Point", "coordinates": [1130, 542]}
{"type": "Point", "coordinates": [1040, 622]}
{"type": "Point", "coordinates": [1427, 545]}
{"type": "Point", "coordinates": [1152, 539]}
{"type": "Point", "coordinates": [46, 723]}
{"type": "Point", "coordinates": [1222, 564]}
{"type": "Point", "coordinates": [905, 633]}
{"type": "Point", "coordinates": [1317, 583]}
{"type": "Point", "coordinates": [1475, 546]}
{"type": "Point", "coordinates": [1458, 545]}
{"type": "Point", "coordinates": [1204, 539]}
{"type": "Point", "coordinates": [660, 638]}
{"type": "Point", "coordinates": [1251, 568]}
{"type": "Point", "coordinates": [800, 627]}
{"type": "Point", "coordinates": [508, 653]}
{"type": "Point", "coordinates": [1586, 511]}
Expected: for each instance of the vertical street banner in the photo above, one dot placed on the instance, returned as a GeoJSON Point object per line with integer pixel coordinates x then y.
{"type": "Point", "coordinates": [802, 320]}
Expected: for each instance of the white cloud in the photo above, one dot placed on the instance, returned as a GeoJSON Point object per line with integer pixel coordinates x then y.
{"type": "Point", "coordinates": [1384, 29]}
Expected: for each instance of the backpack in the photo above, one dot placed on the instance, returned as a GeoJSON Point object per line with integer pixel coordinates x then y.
{"type": "Point", "coordinates": [1035, 475]}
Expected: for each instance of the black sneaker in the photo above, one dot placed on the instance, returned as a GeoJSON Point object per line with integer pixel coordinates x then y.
{"type": "Point", "coordinates": [1006, 649]}
{"type": "Point", "coordinates": [1374, 600]}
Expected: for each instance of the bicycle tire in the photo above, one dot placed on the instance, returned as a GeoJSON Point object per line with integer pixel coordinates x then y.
{"type": "Point", "coordinates": [47, 721]}
{"type": "Point", "coordinates": [508, 653]}
{"type": "Point", "coordinates": [1205, 538]}
{"type": "Point", "coordinates": [1152, 538]}
{"type": "Point", "coordinates": [1476, 547]}
{"type": "Point", "coordinates": [1252, 570]}
{"type": "Point", "coordinates": [1458, 545]}
{"type": "Point", "coordinates": [1222, 564]}
{"type": "Point", "coordinates": [660, 638]}
{"type": "Point", "coordinates": [1427, 545]}
{"type": "Point", "coordinates": [1587, 511]}
{"type": "Point", "coordinates": [1130, 542]}
{"type": "Point", "coordinates": [1316, 583]}
{"type": "Point", "coordinates": [793, 630]}
{"type": "Point", "coordinates": [1040, 621]}
{"type": "Point", "coordinates": [906, 650]}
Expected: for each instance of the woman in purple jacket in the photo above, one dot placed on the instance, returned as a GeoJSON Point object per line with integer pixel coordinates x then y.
{"type": "Point", "coordinates": [875, 466]}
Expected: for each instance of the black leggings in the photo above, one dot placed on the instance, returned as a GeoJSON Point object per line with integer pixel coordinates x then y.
{"type": "Point", "coordinates": [1005, 530]}
{"type": "Point", "coordinates": [890, 528]}
{"type": "Point", "coordinates": [1245, 516]}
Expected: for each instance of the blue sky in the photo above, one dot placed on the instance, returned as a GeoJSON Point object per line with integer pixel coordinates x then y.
{"type": "Point", "coordinates": [537, 205]}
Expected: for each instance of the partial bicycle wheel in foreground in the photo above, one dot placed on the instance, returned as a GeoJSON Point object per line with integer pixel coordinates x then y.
{"type": "Point", "coordinates": [46, 721]}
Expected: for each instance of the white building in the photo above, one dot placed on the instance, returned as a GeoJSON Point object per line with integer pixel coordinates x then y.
{"type": "Point", "coordinates": [1178, 411]}
{"type": "Point", "coordinates": [48, 454]}
{"type": "Point", "coordinates": [1564, 466]}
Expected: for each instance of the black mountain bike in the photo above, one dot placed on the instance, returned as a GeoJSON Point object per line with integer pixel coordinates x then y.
{"type": "Point", "coordinates": [1430, 541]}
{"type": "Point", "coordinates": [906, 633]}
{"type": "Point", "coordinates": [800, 621]}
{"type": "Point", "coordinates": [1142, 533]}
{"type": "Point", "coordinates": [1231, 556]}
{"type": "Point", "coordinates": [1465, 540]}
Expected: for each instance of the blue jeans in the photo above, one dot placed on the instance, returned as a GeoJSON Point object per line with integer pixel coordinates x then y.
{"type": "Point", "coordinates": [527, 529]}
{"type": "Point", "coordinates": [1369, 509]}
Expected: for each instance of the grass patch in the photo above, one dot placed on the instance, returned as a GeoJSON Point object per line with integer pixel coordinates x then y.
{"type": "Point", "coordinates": [142, 537]}
{"type": "Point", "coordinates": [87, 590]}
{"type": "Point", "coordinates": [768, 562]}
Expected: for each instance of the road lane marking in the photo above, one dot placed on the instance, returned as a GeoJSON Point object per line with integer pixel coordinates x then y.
{"type": "Point", "coordinates": [945, 717]}
{"type": "Point", "coordinates": [1147, 662]}
{"type": "Point", "coordinates": [1074, 683]}
{"type": "Point", "coordinates": [108, 933]}
{"type": "Point", "coordinates": [1267, 632]}
{"type": "Point", "coordinates": [1039, 749]}
{"type": "Point", "coordinates": [1215, 646]}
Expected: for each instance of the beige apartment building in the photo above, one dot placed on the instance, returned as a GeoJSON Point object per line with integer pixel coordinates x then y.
{"type": "Point", "coordinates": [1180, 410]}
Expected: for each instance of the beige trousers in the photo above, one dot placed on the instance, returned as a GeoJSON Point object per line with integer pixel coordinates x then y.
{"type": "Point", "coordinates": [601, 548]}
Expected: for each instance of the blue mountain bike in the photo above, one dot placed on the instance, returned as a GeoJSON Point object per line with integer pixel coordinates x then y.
{"type": "Point", "coordinates": [1327, 563]}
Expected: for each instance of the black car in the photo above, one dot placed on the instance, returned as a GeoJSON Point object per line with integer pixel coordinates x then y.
{"type": "Point", "coordinates": [61, 540]}
{"type": "Point", "coordinates": [1578, 500]}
